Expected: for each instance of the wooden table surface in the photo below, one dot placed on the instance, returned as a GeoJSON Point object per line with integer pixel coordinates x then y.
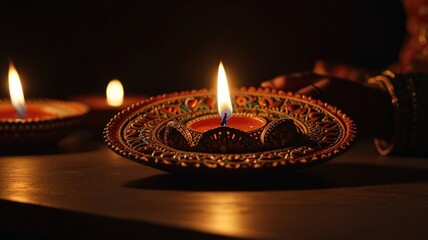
{"type": "Point", "coordinates": [82, 189]}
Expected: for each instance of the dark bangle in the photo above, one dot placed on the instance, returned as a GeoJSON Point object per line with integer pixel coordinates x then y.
{"type": "Point", "coordinates": [408, 96]}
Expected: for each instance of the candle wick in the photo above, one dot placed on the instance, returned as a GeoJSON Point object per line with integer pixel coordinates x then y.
{"type": "Point", "coordinates": [21, 111]}
{"type": "Point", "coordinates": [223, 120]}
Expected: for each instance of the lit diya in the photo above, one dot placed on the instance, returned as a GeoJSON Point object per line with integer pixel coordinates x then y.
{"type": "Point", "coordinates": [35, 122]}
{"type": "Point", "coordinates": [249, 130]}
{"type": "Point", "coordinates": [228, 132]}
{"type": "Point", "coordinates": [104, 107]}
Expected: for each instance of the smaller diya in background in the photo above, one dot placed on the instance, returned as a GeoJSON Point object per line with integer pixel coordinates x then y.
{"type": "Point", "coordinates": [104, 107]}
{"type": "Point", "coordinates": [36, 122]}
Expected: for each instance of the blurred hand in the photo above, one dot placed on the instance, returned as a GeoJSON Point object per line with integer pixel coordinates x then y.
{"type": "Point", "coordinates": [366, 104]}
{"type": "Point", "coordinates": [344, 71]}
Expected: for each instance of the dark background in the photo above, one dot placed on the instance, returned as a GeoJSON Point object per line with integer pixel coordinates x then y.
{"type": "Point", "coordinates": [65, 48]}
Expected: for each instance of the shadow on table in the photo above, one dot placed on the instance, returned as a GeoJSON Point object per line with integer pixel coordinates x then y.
{"type": "Point", "coordinates": [79, 141]}
{"type": "Point", "coordinates": [27, 221]}
{"type": "Point", "coordinates": [325, 176]}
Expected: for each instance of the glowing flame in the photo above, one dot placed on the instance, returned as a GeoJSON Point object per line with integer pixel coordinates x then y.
{"type": "Point", "coordinates": [114, 93]}
{"type": "Point", "coordinates": [16, 93]}
{"type": "Point", "coordinates": [223, 97]}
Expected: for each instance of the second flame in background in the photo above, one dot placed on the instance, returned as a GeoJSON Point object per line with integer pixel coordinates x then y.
{"type": "Point", "coordinates": [114, 93]}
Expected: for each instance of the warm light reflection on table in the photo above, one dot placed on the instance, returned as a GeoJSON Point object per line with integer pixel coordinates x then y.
{"type": "Point", "coordinates": [226, 213]}
{"type": "Point", "coordinates": [21, 186]}
{"type": "Point", "coordinates": [222, 212]}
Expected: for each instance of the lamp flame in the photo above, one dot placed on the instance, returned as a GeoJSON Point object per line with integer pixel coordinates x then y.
{"type": "Point", "coordinates": [15, 90]}
{"type": "Point", "coordinates": [223, 97]}
{"type": "Point", "coordinates": [114, 93]}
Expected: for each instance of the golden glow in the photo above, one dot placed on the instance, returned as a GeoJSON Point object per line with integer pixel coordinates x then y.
{"type": "Point", "coordinates": [226, 213]}
{"type": "Point", "coordinates": [223, 96]}
{"type": "Point", "coordinates": [15, 90]}
{"type": "Point", "coordinates": [22, 181]}
{"type": "Point", "coordinates": [114, 93]}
